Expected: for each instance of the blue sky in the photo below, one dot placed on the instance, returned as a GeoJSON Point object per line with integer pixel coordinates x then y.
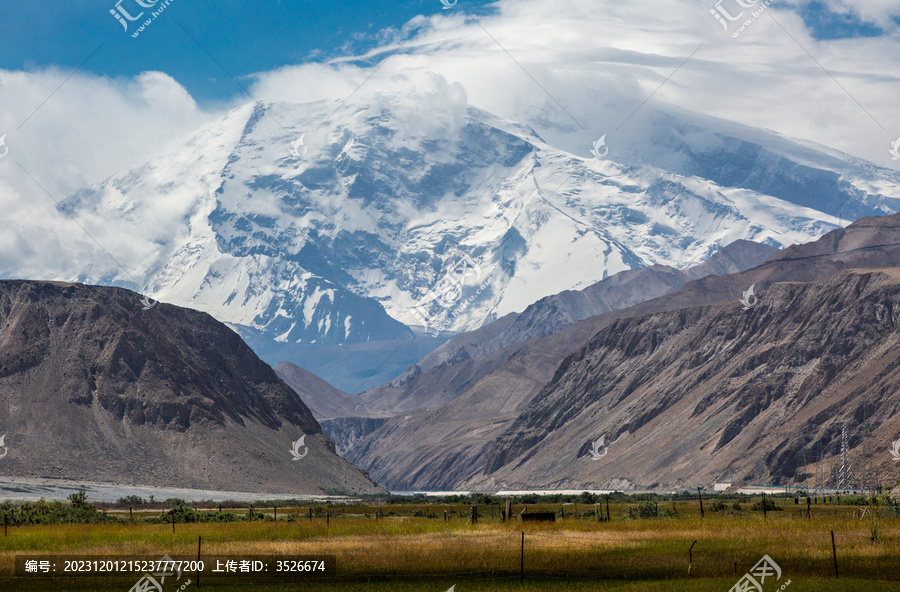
{"type": "Point", "coordinates": [244, 37]}
{"type": "Point", "coordinates": [828, 24]}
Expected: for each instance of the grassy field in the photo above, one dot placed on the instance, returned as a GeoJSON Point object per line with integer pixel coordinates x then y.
{"type": "Point", "coordinates": [420, 548]}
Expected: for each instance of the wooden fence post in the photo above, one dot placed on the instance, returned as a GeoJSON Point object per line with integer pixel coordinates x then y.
{"type": "Point", "coordinates": [701, 502]}
{"type": "Point", "coordinates": [834, 554]}
{"type": "Point", "coordinates": [522, 560]}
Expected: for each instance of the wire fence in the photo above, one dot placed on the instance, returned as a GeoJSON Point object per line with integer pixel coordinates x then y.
{"type": "Point", "coordinates": [467, 542]}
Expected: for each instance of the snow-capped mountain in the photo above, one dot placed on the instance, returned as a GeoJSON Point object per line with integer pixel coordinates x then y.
{"type": "Point", "coordinates": [331, 223]}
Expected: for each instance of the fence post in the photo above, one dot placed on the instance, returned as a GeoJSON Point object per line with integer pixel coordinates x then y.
{"type": "Point", "coordinates": [765, 510]}
{"type": "Point", "coordinates": [5, 525]}
{"type": "Point", "coordinates": [608, 517]}
{"type": "Point", "coordinates": [691, 557]}
{"type": "Point", "coordinates": [522, 560]}
{"type": "Point", "coordinates": [508, 514]}
{"type": "Point", "coordinates": [834, 554]}
{"type": "Point", "coordinates": [130, 515]}
{"type": "Point", "coordinates": [596, 512]}
{"type": "Point", "coordinates": [701, 502]}
{"type": "Point", "coordinates": [808, 508]}
{"type": "Point", "coordinates": [327, 517]}
{"type": "Point", "coordinates": [173, 521]}
{"type": "Point", "coordinates": [474, 518]}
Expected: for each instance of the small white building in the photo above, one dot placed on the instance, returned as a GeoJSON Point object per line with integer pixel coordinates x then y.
{"type": "Point", "coordinates": [721, 486]}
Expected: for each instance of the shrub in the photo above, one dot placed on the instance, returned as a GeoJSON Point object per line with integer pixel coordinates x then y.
{"type": "Point", "coordinates": [184, 514]}
{"type": "Point", "coordinates": [644, 510]}
{"type": "Point", "coordinates": [769, 505]}
{"type": "Point", "coordinates": [131, 500]}
{"type": "Point", "coordinates": [78, 511]}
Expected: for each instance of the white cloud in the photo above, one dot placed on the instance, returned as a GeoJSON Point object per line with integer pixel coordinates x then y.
{"type": "Point", "coordinates": [599, 59]}
{"type": "Point", "coordinates": [63, 136]}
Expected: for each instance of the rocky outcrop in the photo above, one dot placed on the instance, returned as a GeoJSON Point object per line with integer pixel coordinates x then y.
{"type": "Point", "coordinates": [717, 393]}
{"type": "Point", "coordinates": [454, 440]}
{"type": "Point", "coordinates": [453, 403]}
{"type": "Point", "coordinates": [95, 387]}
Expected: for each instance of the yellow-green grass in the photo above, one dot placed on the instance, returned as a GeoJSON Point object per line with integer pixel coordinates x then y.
{"type": "Point", "coordinates": [417, 553]}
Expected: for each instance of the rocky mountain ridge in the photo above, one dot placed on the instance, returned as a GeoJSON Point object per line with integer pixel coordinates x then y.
{"type": "Point", "coordinates": [502, 393]}
{"type": "Point", "coordinates": [95, 385]}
